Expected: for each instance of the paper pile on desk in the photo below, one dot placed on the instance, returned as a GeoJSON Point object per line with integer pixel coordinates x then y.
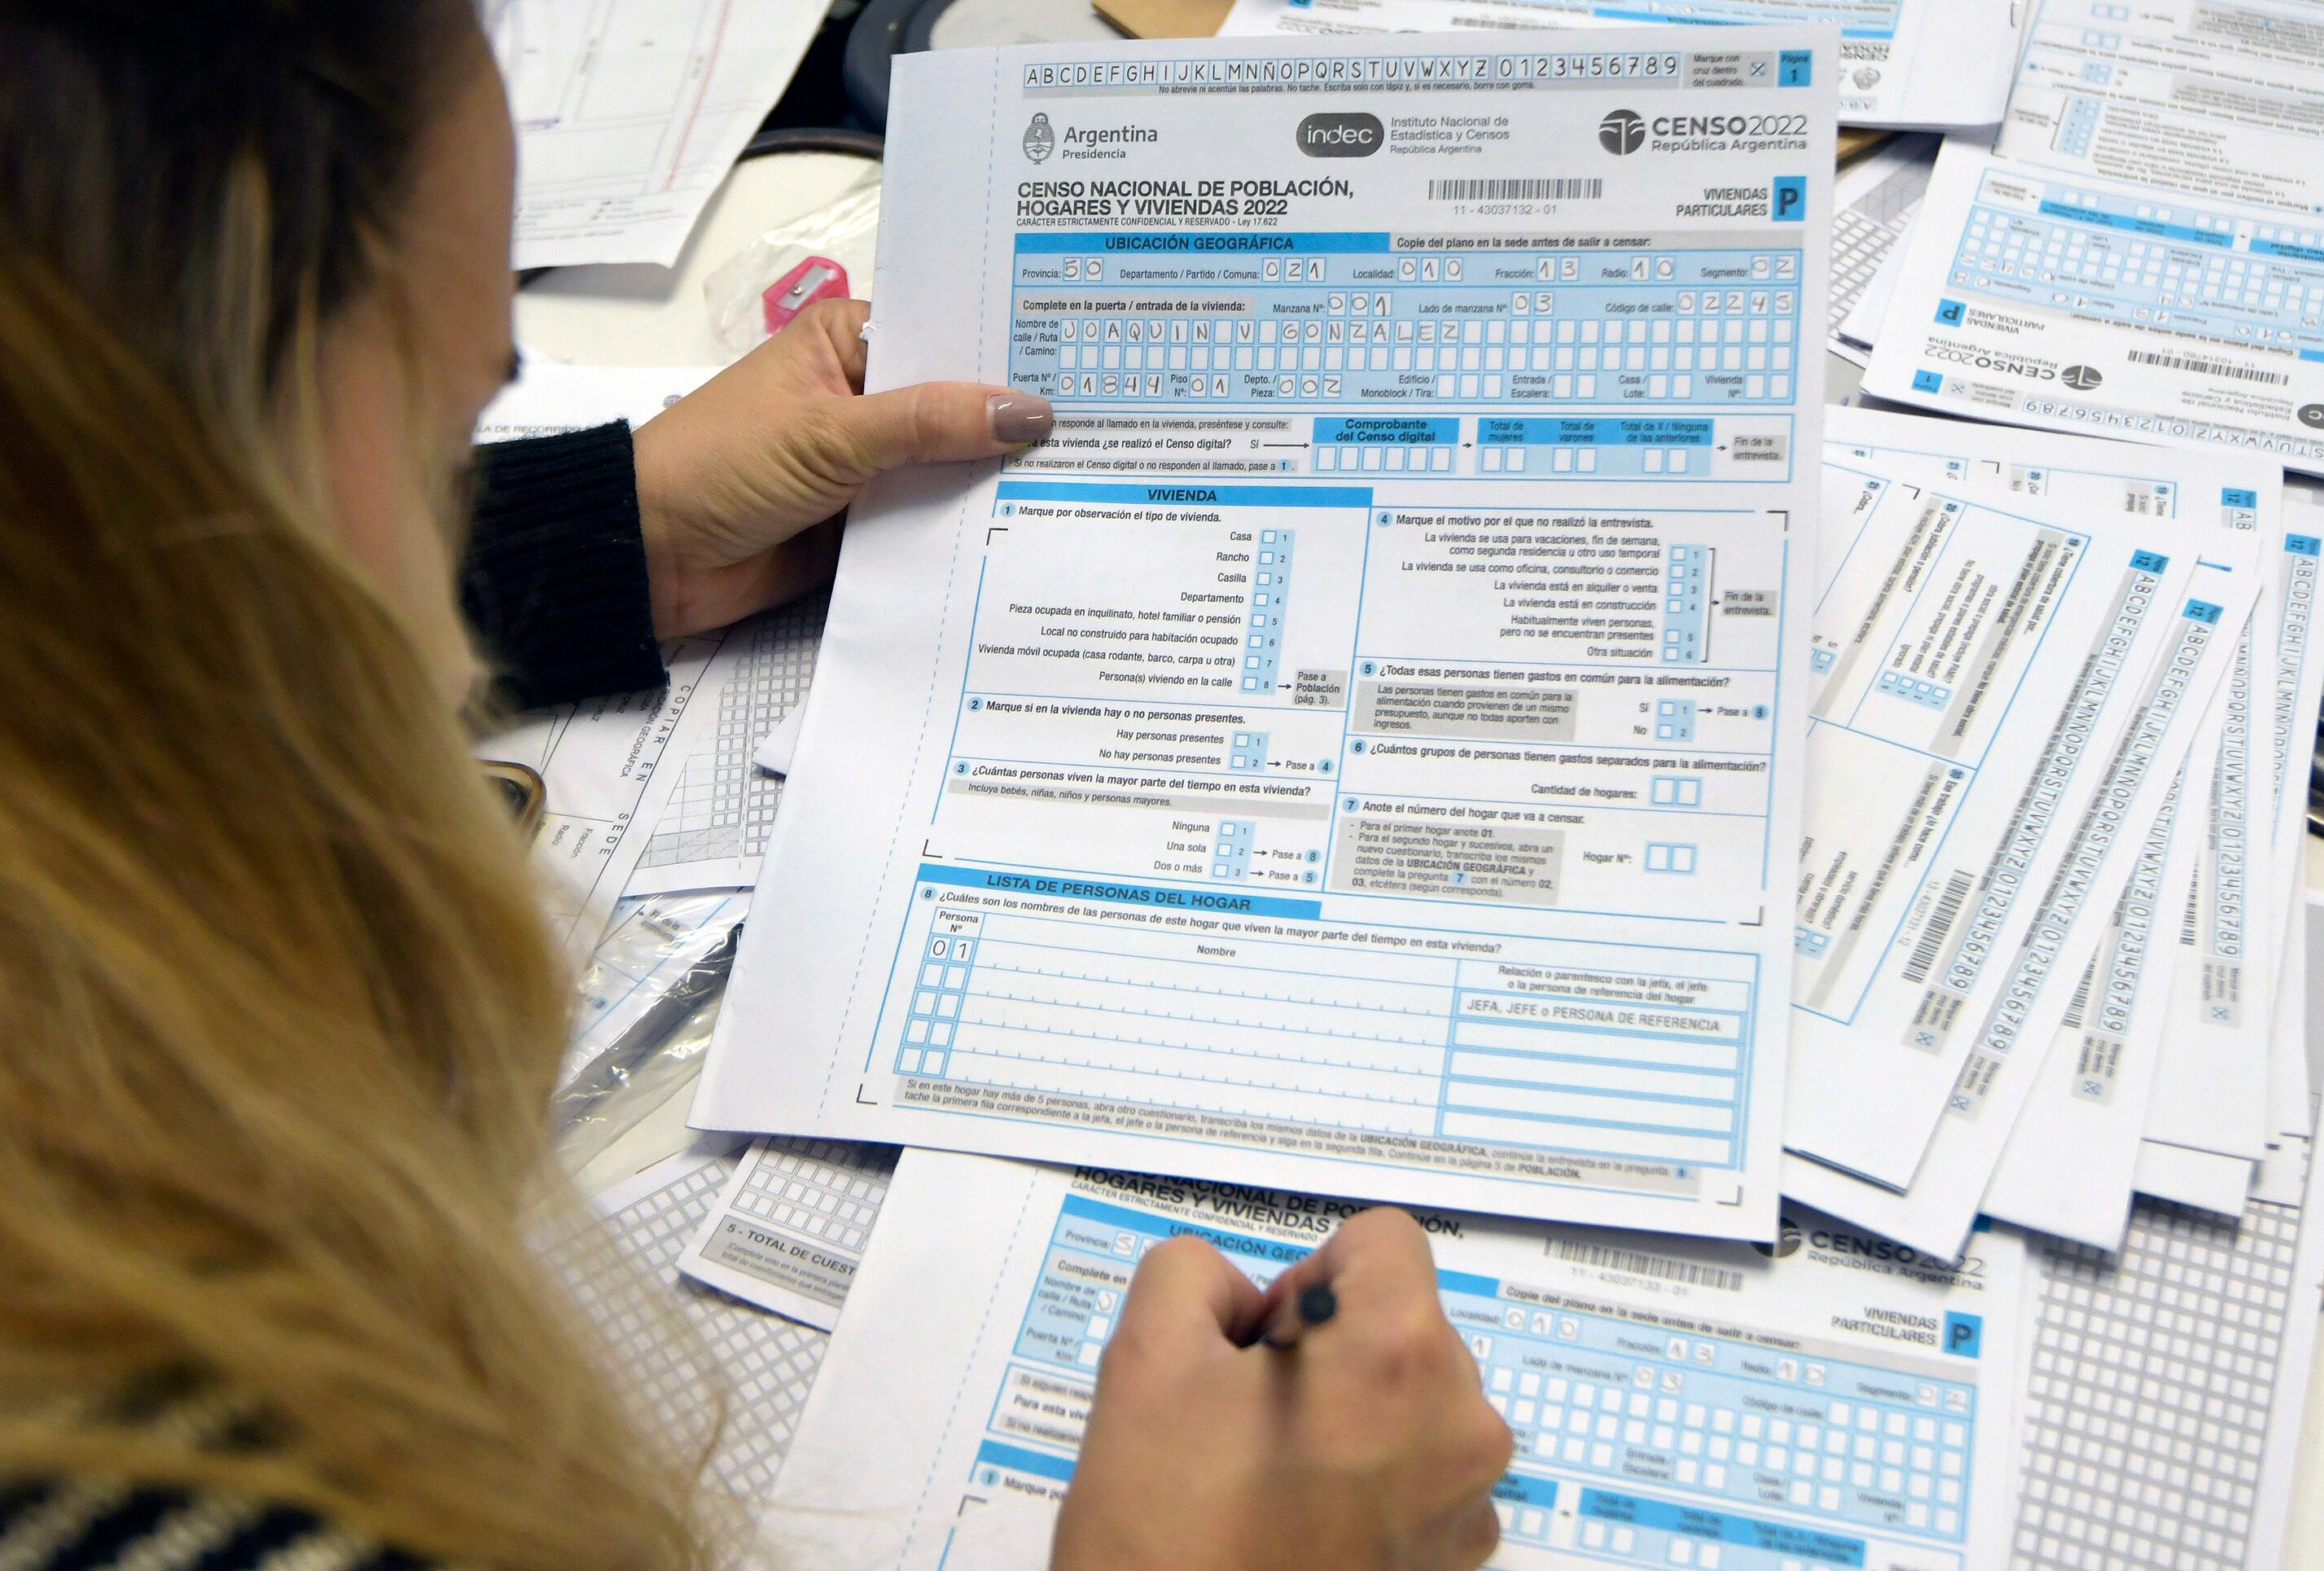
{"type": "Point", "coordinates": [2138, 256]}
{"type": "Point", "coordinates": [629, 114]}
{"type": "Point", "coordinates": [1992, 993]}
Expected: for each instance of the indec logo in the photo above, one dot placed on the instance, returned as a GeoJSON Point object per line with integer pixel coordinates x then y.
{"type": "Point", "coordinates": [1342, 136]}
{"type": "Point", "coordinates": [1621, 131]}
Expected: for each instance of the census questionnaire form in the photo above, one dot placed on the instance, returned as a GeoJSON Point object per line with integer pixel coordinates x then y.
{"type": "Point", "coordinates": [1835, 1401]}
{"type": "Point", "coordinates": [1362, 749]}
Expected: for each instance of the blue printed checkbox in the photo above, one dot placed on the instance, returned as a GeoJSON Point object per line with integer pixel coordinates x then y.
{"type": "Point", "coordinates": [1665, 857]}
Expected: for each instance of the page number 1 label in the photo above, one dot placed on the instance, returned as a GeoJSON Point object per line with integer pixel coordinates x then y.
{"type": "Point", "coordinates": [1794, 68]}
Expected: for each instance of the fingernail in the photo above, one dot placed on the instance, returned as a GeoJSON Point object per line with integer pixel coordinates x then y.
{"type": "Point", "coordinates": [1020, 417]}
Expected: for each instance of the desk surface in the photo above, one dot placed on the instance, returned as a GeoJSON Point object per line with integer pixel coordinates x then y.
{"type": "Point", "coordinates": [650, 316]}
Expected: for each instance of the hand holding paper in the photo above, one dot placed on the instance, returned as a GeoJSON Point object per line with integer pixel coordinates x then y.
{"type": "Point", "coordinates": [734, 480]}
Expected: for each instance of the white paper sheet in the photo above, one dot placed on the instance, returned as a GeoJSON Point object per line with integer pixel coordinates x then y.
{"type": "Point", "coordinates": [1674, 1403]}
{"type": "Point", "coordinates": [2298, 691]}
{"type": "Point", "coordinates": [2008, 686]}
{"type": "Point", "coordinates": [2193, 96]}
{"type": "Point", "coordinates": [2099, 306]}
{"type": "Point", "coordinates": [2289, 1089]}
{"type": "Point", "coordinates": [780, 746]}
{"type": "Point", "coordinates": [2071, 1161]}
{"type": "Point", "coordinates": [2211, 1089]}
{"type": "Point", "coordinates": [2298, 686]}
{"type": "Point", "coordinates": [1928, 64]}
{"type": "Point", "coordinates": [2205, 1180]}
{"type": "Point", "coordinates": [630, 112]}
{"type": "Point", "coordinates": [2315, 967]}
{"type": "Point", "coordinates": [1374, 775]}
{"type": "Point", "coordinates": [2233, 1082]}
{"type": "Point", "coordinates": [549, 398]}
{"type": "Point", "coordinates": [790, 1227]}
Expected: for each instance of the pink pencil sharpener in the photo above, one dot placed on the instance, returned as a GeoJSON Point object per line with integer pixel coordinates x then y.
{"type": "Point", "coordinates": [818, 277]}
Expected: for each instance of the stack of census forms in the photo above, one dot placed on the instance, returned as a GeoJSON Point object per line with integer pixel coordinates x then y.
{"type": "Point", "coordinates": [2019, 645]}
{"type": "Point", "coordinates": [1362, 750]}
{"type": "Point", "coordinates": [1904, 64]}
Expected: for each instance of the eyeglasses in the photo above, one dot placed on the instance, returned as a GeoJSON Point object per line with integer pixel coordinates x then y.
{"type": "Point", "coordinates": [526, 793]}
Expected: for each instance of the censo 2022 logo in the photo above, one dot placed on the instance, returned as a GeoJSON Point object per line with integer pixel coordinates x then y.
{"type": "Point", "coordinates": [1623, 131]}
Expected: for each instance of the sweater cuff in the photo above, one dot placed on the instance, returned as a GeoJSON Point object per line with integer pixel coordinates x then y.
{"type": "Point", "coordinates": [555, 581]}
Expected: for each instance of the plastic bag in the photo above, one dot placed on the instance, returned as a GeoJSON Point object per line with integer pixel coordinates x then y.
{"type": "Point", "coordinates": [845, 232]}
{"type": "Point", "coordinates": [654, 946]}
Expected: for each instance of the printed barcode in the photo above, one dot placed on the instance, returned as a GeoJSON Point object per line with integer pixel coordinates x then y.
{"type": "Point", "coordinates": [2073, 1021]}
{"type": "Point", "coordinates": [2209, 367]}
{"type": "Point", "coordinates": [2194, 907]}
{"type": "Point", "coordinates": [1649, 1265]}
{"type": "Point", "coordinates": [1571, 189]}
{"type": "Point", "coordinates": [1941, 922]}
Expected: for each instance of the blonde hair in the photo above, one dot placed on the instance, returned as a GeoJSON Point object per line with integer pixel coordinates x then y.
{"type": "Point", "coordinates": [278, 1018]}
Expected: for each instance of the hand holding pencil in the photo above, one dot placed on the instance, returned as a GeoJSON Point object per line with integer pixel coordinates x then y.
{"type": "Point", "coordinates": [1335, 1419]}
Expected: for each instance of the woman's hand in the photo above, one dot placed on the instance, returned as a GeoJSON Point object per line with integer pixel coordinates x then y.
{"type": "Point", "coordinates": [732, 480]}
{"type": "Point", "coordinates": [1368, 1447]}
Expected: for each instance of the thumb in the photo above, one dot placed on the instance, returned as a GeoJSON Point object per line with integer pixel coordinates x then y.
{"type": "Point", "coordinates": [1188, 1294]}
{"type": "Point", "coordinates": [939, 422]}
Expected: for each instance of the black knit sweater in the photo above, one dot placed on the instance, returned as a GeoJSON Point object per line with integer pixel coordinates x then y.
{"type": "Point", "coordinates": [555, 581]}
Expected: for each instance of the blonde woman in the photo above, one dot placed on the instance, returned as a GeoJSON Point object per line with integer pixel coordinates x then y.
{"type": "Point", "coordinates": [277, 1020]}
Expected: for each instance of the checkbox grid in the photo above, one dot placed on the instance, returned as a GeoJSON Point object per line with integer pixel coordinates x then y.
{"type": "Point", "coordinates": [766, 1363]}
{"type": "Point", "coordinates": [724, 807]}
{"type": "Point", "coordinates": [2153, 1376]}
{"type": "Point", "coordinates": [822, 1190]}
